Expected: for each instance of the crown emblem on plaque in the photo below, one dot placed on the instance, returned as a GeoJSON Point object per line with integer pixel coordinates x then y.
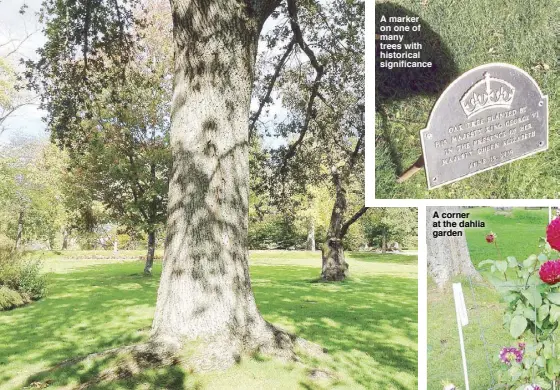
{"type": "Point", "coordinates": [490, 92]}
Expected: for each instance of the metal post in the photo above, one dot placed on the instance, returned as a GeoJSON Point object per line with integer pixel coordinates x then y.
{"type": "Point", "coordinates": [462, 320]}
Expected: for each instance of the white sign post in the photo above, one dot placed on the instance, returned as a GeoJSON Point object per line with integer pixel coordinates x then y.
{"type": "Point", "coordinates": [462, 320]}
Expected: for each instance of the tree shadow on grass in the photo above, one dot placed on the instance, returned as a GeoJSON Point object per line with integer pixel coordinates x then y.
{"type": "Point", "coordinates": [401, 83]}
{"type": "Point", "coordinates": [360, 322]}
{"type": "Point", "coordinates": [86, 311]}
{"type": "Point", "coordinates": [368, 325]}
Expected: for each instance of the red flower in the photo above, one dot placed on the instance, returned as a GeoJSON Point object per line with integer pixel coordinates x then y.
{"type": "Point", "coordinates": [553, 233]}
{"type": "Point", "coordinates": [550, 272]}
{"type": "Point", "coordinates": [490, 238]}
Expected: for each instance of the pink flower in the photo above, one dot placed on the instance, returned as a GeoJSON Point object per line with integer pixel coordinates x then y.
{"type": "Point", "coordinates": [509, 354]}
{"type": "Point", "coordinates": [550, 272]}
{"type": "Point", "coordinates": [553, 233]}
{"type": "Point", "coordinates": [490, 238]}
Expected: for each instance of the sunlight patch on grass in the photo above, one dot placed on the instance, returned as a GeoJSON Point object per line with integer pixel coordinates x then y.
{"type": "Point", "coordinates": [368, 324]}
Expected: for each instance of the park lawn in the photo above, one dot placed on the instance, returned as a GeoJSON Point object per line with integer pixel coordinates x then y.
{"type": "Point", "coordinates": [368, 324]}
{"type": "Point", "coordinates": [518, 234]}
{"type": "Point", "coordinates": [458, 36]}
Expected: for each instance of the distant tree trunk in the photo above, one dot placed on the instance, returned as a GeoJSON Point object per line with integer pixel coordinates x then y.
{"type": "Point", "coordinates": [151, 251]}
{"type": "Point", "coordinates": [65, 239]}
{"type": "Point", "coordinates": [19, 229]}
{"type": "Point", "coordinates": [311, 236]}
{"type": "Point", "coordinates": [335, 267]}
{"type": "Point", "coordinates": [205, 290]}
{"type": "Point", "coordinates": [447, 256]}
{"type": "Point", "coordinates": [384, 241]}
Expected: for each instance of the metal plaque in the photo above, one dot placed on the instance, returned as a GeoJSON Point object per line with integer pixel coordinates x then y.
{"type": "Point", "coordinates": [490, 116]}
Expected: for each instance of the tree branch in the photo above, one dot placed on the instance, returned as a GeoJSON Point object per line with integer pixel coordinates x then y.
{"type": "Point", "coordinates": [357, 151]}
{"type": "Point", "coordinates": [354, 218]}
{"type": "Point", "coordinates": [277, 71]}
{"type": "Point", "coordinates": [319, 69]}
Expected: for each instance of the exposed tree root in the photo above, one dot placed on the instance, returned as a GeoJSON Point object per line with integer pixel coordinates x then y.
{"type": "Point", "coordinates": [216, 353]}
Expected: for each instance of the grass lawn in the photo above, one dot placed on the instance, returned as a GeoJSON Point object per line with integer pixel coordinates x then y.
{"type": "Point", "coordinates": [517, 233]}
{"type": "Point", "coordinates": [368, 324]}
{"type": "Point", "coordinates": [458, 36]}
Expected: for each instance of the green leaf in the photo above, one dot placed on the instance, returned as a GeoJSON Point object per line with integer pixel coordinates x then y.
{"type": "Point", "coordinates": [541, 361]}
{"type": "Point", "coordinates": [502, 265]}
{"type": "Point", "coordinates": [512, 261]}
{"type": "Point", "coordinates": [530, 314]}
{"type": "Point", "coordinates": [483, 263]}
{"type": "Point", "coordinates": [517, 326]}
{"type": "Point", "coordinates": [533, 297]}
{"type": "Point", "coordinates": [542, 312]}
{"type": "Point", "coordinates": [553, 367]}
{"type": "Point", "coordinates": [542, 258]}
{"type": "Point", "coordinates": [554, 313]}
{"type": "Point", "coordinates": [554, 298]}
{"type": "Point", "coordinates": [530, 261]}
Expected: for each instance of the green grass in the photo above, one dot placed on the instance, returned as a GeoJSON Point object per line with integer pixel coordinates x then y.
{"type": "Point", "coordinates": [458, 36]}
{"type": "Point", "coordinates": [518, 233]}
{"type": "Point", "coordinates": [368, 324]}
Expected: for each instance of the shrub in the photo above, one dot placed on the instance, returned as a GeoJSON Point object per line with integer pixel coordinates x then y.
{"type": "Point", "coordinates": [22, 277]}
{"type": "Point", "coordinates": [10, 299]}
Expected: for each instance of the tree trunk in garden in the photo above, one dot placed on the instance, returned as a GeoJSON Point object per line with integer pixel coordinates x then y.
{"type": "Point", "coordinates": [205, 291]}
{"type": "Point", "coordinates": [447, 256]}
{"type": "Point", "coordinates": [334, 266]}
{"type": "Point", "coordinates": [150, 255]}
{"type": "Point", "coordinates": [384, 241]}
{"type": "Point", "coordinates": [19, 230]}
{"type": "Point", "coordinates": [311, 236]}
{"type": "Point", "coordinates": [65, 239]}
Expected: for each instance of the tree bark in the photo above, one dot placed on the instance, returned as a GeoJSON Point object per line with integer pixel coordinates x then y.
{"type": "Point", "coordinates": [65, 239]}
{"type": "Point", "coordinates": [150, 255]}
{"type": "Point", "coordinates": [311, 236]}
{"type": "Point", "coordinates": [19, 234]}
{"type": "Point", "coordinates": [447, 256]}
{"type": "Point", "coordinates": [334, 266]}
{"type": "Point", "coordinates": [384, 241]}
{"type": "Point", "coordinates": [205, 290]}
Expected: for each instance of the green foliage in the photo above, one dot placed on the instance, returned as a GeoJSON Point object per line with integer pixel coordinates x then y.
{"type": "Point", "coordinates": [275, 231]}
{"type": "Point", "coordinates": [22, 277]}
{"type": "Point", "coordinates": [391, 225]}
{"type": "Point", "coordinates": [31, 185]}
{"type": "Point", "coordinates": [10, 299]}
{"type": "Point", "coordinates": [531, 315]}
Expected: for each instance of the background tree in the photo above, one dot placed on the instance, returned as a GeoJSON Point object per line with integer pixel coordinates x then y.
{"type": "Point", "coordinates": [447, 256]}
{"type": "Point", "coordinates": [383, 226]}
{"type": "Point", "coordinates": [31, 201]}
{"type": "Point", "coordinates": [12, 95]}
{"type": "Point", "coordinates": [325, 124]}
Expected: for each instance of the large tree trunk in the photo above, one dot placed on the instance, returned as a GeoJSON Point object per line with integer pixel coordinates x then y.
{"type": "Point", "coordinates": [447, 256]}
{"type": "Point", "coordinates": [384, 241]}
{"type": "Point", "coordinates": [205, 291]}
{"type": "Point", "coordinates": [310, 244]}
{"type": "Point", "coordinates": [334, 266]}
{"type": "Point", "coordinates": [19, 234]}
{"type": "Point", "coordinates": [150, 255]}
